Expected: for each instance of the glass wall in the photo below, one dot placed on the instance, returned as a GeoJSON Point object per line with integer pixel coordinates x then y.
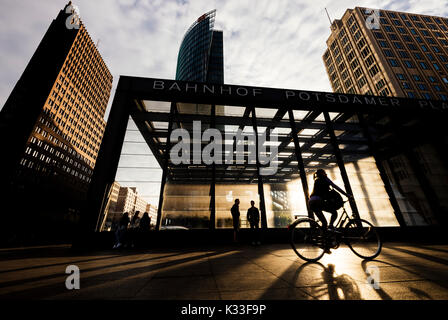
{"type": "Point", "coordinates": [196, 188]}
{"type": "Point", "coordinates": [186, 196]}
{"type": "Point", "coordinates": [371, 197]}
{"type": "Point", "coordinates": [137, 182]}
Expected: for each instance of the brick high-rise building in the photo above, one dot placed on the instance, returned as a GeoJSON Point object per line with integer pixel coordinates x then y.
{"type": "Point", "coordinates": [123, 199]}
{"type": "Point", "coordinates": [53, 122]}
{"type": "Point", "coordinates": [407, 56]}
{"type": "Point", "coordinates": [401, 55]}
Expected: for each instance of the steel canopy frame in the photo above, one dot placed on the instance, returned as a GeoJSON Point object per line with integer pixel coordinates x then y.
{"type": "Point", "coordinates": [131, 96]}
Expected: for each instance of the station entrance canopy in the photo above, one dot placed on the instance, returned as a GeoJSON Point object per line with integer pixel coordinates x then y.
{"type": "Point", "coordinates": [358, 139]}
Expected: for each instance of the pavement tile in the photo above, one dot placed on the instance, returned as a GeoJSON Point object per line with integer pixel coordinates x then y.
{"type": "Point", "coordinates": [171, 287]}
{"type": "Point", "coordinates": [235, 272]}
{"type": "Point", "coordinates": [271, 294]}
{"type": "Point", "coordinates": [249, 281]}
{"type": "Point", "coordinates": [408, 290]}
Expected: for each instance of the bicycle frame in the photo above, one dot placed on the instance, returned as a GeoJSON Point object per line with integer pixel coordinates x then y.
{"type": "Point", "coordinates": [331, 239]}
{"type": "Point", "coordinates": [343, 219]}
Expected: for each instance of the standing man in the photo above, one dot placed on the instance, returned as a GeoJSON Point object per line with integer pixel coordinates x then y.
{"type": "Point", "coordinates": [253, 216]}
{"type": "Point", "coordinates": [236, 218]}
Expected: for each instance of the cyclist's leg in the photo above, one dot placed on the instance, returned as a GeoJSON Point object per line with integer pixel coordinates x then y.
{"type": "Point", "coordinates": [316, 207]}
{"type": "Point", "coordinates": [334, 216]}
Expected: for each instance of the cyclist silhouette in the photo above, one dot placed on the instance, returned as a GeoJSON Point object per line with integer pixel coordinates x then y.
{"type": "Point", "coordinates": [322, 282]}
{"type": "Point", "coordinates": [320, 193]}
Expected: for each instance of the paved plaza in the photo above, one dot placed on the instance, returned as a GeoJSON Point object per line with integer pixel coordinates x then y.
{"type": "Point", "coordinates": [406, 271]}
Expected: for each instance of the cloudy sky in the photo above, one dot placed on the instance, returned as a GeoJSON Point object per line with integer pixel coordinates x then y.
{"type": "Point", "coordinates": [266, 43]}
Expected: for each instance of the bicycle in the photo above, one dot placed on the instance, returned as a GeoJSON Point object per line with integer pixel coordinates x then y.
{"type": "Point", "coordinates": [310, 241]}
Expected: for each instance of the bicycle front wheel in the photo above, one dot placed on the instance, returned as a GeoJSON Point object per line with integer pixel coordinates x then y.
{"type": "Point", "coordinates": [363, 239]}
{"type": "Point", "coordinates": [307, 239]}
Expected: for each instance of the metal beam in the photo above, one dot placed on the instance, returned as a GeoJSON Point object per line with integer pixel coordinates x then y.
{"type": "Point", "coordinates": [165, 168]}
{"type": "Point", "coordinates": [299, 159]}
{"type": "Point", "coordinates": [340, 162]}
{"type": "Point", "coordinates": [264, 223]}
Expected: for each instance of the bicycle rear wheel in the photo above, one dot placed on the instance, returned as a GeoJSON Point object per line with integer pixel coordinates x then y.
{"type": "Point", "coordinates": [363, 239]}
{"type": "Point", "coordinates": [307, 239]}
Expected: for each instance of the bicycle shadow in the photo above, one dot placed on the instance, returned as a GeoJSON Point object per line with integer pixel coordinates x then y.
{"type": "Point", "coordinates": [320, 281]}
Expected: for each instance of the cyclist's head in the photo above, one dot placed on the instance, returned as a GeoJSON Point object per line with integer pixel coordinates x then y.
{"type": "Point", "coordinates": [320, 174]}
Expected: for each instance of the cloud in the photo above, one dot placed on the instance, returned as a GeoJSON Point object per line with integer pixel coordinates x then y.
{"type": "Point", "coordinates": [266, 43]}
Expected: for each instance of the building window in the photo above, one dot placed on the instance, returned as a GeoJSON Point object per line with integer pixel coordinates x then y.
{"type": "Point", "coordinates": [406, 85]}
{"type": "Point", "coordinates": [421, 86]}
{"type": "Point", "coordinates": [362, 82]}
{"type": "Point", "coordinates": [418, 56]}
{"type": "Point", "coordinates": [385, 92]}
{"type": "Point", "coordinates": [389, 53]}
{"type": "Point", "coordinates": [430, 56]}
{"type": "Point", "coordinates": [436, 66]}
{"type": "Point", "coordinates": [401, 76]}
{"type": "Point", "coordinates": [424, 66]}
{"type": "Point", "coordinates": [392, 15]}
{"type": "Point", "coordinates": [393, 63]}
{"type": "Point", "coordinates": [409, 64]}
{"type": "Point", "coordinates": [427, 96]}
{"type": "Point", "coordinates": [373, 71]}
{"type": "Point", "coordinates": [416, 77]}
{"type": "Point", "coordinates": [403, 54]}
{"type": "Point", "coordinates": [393, 36]}
{"type": "Point", "coordinates": [379, 35]}
{"type": "Point", "coordinates": [411, 94]}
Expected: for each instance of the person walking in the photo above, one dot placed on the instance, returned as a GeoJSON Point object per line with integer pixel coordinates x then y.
{"type": "Point", "coordinates": [145, 222]}
{"type": "Point", "coordinates": [235, 211]}
{"type": "Point", "coordinates": [120, 234]}
{"type": "Point", "coordinates": [253, 216]}
{"type": "Point", "coordinates": [135, 220]}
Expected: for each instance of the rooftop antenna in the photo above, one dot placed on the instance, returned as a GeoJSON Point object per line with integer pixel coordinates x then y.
{"type": "Point", "coordinates": [328, 16]}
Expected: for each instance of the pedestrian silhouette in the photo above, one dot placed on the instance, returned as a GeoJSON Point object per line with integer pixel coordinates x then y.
{"type": "Point", "coordinates": [235, 211]}
{"type": "Point", "coordinates": [135, 220]}
{"type": "Point", "coordinates": [145, 222]}
{"type": "Point", "coordinates": [120, 234]}
{"type": "Point", "coordinates": [253, 216]}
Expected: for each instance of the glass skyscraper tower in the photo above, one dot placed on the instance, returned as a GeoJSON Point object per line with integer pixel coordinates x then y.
{"type": "Point", "coordinates": [201, 52]}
